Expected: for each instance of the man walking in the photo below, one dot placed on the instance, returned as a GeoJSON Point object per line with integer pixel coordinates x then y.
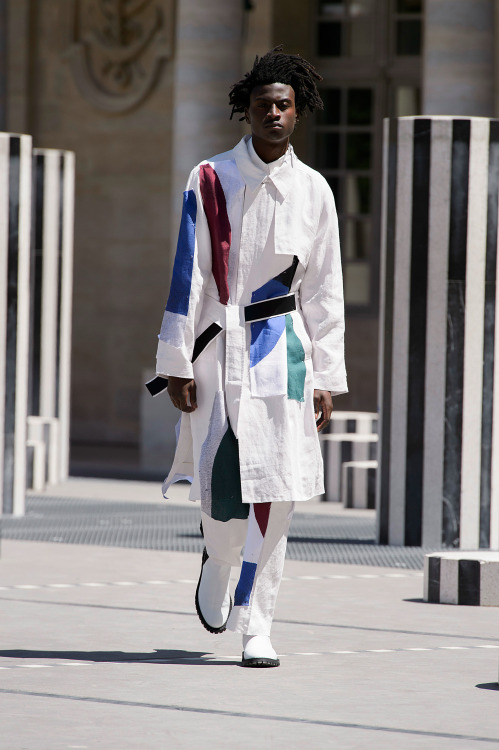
{"type": "Point", "coordinates": [252, 346]}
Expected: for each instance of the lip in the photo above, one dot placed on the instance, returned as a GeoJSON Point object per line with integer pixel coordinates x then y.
{"type": "Point", "coordinates": [274, 126]}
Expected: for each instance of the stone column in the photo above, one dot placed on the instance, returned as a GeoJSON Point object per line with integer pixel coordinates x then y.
{"type": "Point", "coordinates": [438, 481]}
{"type": "Point", "coordinates": [207, 63]}
{"type": "Point", "coordinates": [52, 282]}
{"type": "Point", "coordinates": [459, 58]}
{"type": "Point", "coordinates": [15, 223]}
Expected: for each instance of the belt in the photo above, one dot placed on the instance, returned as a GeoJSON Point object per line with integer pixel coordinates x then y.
{"type": "Point", "coordinates": [263, 310]}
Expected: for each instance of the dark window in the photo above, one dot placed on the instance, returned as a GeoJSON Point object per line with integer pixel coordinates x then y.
{"type": "Point", "coordinates": [357, 93]}
{"type": "Point", "coordinates": [328, 150]}
{"type": "Point", "coordinates": [331, 114]}
{"type": "Point", "coordinates": [334, 184]}
{"type": "Point", "coordinates": [408, 37]}
{"type": "Point", "coordinates": [358, 151]}
{"type": "Point", "coordinates": [359, 107]}
{"type": "Point", "coordinates": [329, 36]}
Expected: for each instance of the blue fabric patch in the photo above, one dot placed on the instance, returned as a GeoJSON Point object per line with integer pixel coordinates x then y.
{"type": "Point", "coordinates": [180, 290]}
{"type": "Point", "coordinates": [266, 333]}
{"type": "Point", "coordinates": [245, 584]}
{"type": "Point", "coordinates": [272, 288]}
{"type": "Point", "coordinates": [264, 336]}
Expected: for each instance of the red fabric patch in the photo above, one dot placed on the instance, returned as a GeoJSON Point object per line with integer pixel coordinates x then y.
{"type": "Point", "coordinates": [262, 512]}
{"type": "Point", "coordinates": [215, 208]}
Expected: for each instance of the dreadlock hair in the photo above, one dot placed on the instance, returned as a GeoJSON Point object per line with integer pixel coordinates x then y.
{"type": "Point", "coordinates": [277, 67]}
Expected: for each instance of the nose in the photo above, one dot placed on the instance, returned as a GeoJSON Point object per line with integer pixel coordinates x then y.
{"type": "Point", "coordinates": [273, 111]}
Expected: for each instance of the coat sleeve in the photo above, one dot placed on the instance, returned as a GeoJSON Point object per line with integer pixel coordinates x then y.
{"type": "Point", "coordinates": [321, 296]}
{"type": "Point", "coordinates": [191, 270]}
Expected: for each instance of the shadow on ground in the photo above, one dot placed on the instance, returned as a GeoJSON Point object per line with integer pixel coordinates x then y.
{"type": "Point", "coordinates": [488, 686]}
{"type": "Point", "coordinates": [161, 656]}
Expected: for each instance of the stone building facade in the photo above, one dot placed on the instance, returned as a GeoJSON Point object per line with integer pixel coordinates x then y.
{"type": "Point", "coordinates": [138, 89]}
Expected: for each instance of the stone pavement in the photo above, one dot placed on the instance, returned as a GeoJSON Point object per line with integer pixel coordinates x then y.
{"type": "Point", "coordinates": [101, 648]}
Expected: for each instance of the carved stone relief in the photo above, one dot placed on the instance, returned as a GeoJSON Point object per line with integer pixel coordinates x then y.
{"type": "Point", "coordinates": [119, 49]}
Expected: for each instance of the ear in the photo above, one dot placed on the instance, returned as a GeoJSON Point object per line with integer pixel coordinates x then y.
{"type": "Point", "coordinates": [246, 115]}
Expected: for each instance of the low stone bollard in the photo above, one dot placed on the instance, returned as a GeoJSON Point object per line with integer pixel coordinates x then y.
{"type": "Point", "coordinates": [358, 484]}
{"type": "Point", "coordinates": [457, 577]}
{"type": "Point", "coordinates": [338, 450]}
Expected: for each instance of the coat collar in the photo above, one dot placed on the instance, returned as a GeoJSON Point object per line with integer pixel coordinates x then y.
{"type": "Point", "coordinates": [254, 171]}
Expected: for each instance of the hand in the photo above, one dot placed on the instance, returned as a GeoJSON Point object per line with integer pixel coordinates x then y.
{"type": "Point", "coordinates": [323, 406]}
{"type": "Point", "coordinates": [182, 392]}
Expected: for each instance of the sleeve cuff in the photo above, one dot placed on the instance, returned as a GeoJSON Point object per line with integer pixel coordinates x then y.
{"type": "Point", "coordinates": [172, 361]}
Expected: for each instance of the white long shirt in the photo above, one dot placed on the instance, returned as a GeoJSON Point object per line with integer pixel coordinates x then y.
{"type": "Point", "coordinates": [244, 223]}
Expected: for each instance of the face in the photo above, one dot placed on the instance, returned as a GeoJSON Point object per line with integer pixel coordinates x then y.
{"type": "Point", "coordinates": [272, 112]}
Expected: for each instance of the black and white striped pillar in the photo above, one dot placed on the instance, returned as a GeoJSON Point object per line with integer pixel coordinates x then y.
{"type": "Point", "coordinates": [51, 295]}
{"type": "Point", "coordinates": [438, 480]}
{"type": "Point", "coordinates": [15, 222]}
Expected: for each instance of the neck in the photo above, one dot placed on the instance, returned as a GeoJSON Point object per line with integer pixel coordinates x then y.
{"type": "Point", "coordinates": [269, 152]}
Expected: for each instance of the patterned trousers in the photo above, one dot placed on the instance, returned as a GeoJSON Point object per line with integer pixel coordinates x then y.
{"type": "Point", "coordinates": [263, 533]}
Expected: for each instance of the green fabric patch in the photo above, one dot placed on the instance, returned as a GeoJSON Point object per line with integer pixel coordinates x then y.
{"type": "Point", "coordinates": [226, 496]}
{"type": "Point", "coordinates": [296, 363]}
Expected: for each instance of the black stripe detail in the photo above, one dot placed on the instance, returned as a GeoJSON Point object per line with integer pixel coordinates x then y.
{"type": "Point", "coordinates": [489, 334]}
{"type": "Point", "coordinates": [469, 582]}
{"type": "Point", "coordinates": [60, 214]}
{"type": "Point", "coordinates": [269, 308]}
{"type": "Point", "coordinates": [11, 323]}
{"type": "Point", "coordinates": [287, 276]}
{"type": "Point", "coordinates": [36, 283]}
{"type": "Point", "coordinates": [349, 488]}
{"type": "Point", "coordinates": [157, 385]}
{"type": "Point", "coordinates": [371, 488]}
{"type": "Point", "coordinates": [434, 579]}
{"type": "Point", "coordinates": [386, 385]}
{"type": "Point", "coordinates": [417, 333]}
{"type": "Point", "coordinates": [204, 339]}
{"type": "Point", "coordinates": [456, 296]}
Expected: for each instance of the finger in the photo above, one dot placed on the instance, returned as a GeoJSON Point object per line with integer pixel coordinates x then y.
{"type": "Point", "coordinates": [193, 395]}
{"type": "Point", "coordinates": [321, 423]}
{"type": "Point", "coordinates": [322, 414]}
{"type": "Point", "coordinates": [316, 406]}
{"type": "Point", "coordinates": [327, 408]}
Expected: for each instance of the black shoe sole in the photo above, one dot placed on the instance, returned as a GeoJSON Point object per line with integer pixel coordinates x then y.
{"type": "Point", "coordinates": [261, 662]}
{"type": "Point", "coordinates": [205, 624]}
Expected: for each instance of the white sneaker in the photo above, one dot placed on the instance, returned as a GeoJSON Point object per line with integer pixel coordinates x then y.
{"type": "Point", "coordinates": [258, 652]}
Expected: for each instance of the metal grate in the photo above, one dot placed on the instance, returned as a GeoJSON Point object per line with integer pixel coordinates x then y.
{"type": "Point", "coordinates": [174, 527]}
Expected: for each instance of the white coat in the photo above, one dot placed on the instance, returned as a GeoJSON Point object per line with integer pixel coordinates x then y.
{"type": "Point", "coordinates": [243, 224]}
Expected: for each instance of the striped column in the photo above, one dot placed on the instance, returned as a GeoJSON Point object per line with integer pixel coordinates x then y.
{"type": "Point", "coordinates": [15, 223]}
{"type": "Point", "coordinates": [51, 294]}
{"type": "Point", "coordinates": [438, 481]}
